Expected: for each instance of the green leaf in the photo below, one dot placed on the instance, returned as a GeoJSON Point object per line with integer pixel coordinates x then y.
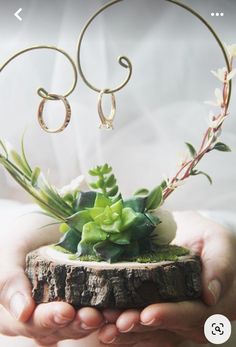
{"type": "Point", "coordinates": [108, 250]}
{"type": "Point", "coordinates": [196, 172]}
{"type": "Point", "coordinates": [92, 233]}
{"type": "Point", "coordinates": [163, 184]}
{"type": "Point", "coordinates": [117, 207]}
{"type": "Point", "coordinates": [192, 150]}
{"type": "Point", "coordinates": [110, 181]}
{"type": "Point", "coordinates": [70, 241]}
{"type": "Point", "coordinates": [142, 227]}
{"type": "Point", "coordinates": [93, 172]}
{"type": "Point", "coordinates": [102, 201]}
{"type": "Point", "coordinates": [19, 162]}
{"type": "Point", "coordinates": [94, 185]}
{"type": "Point", "coordinates": [206, 175]}
{"type": "Point", "coordinates": [154, 219]}
{"type": "Point", "coordinates": [132, 250]}
{"type": "Point", "coordinates": [95, 212]}
{"type": "Point", "coordinates": [113, 191]}
{"type": "Point", "coordinates": [128, 218]}
{"type": "Point", "coordinates": [121, 238]}
{"type": "Point", "coordinates": [138, 204]}
{"type": "Point", "coordinates": [220, 146]}
{"type": "Point", "coordinates": [86, 200]}
{"type": "Point", "coordinates": [4, 148]}
{"type": "Point", "coordinates": [35, 176]}
{"type": "Point", "coordinates": [23, 154]}
{"type": "Point", "coordinates": [84, 249]}
{"type": "Point", "coordinates": [63, 228]}
{"type": "Point", "coordinates": [142, 191]}
{"type": "Point", "coordinates": [79, 219]}
{"type": "Point", "coordinates": [154, 198]}
{"type": "Point", "coordinates": [113, 228]}
{"type": "Point", "coordinates": [105, 183]}
{"type": "Point", "coordinates": [105, 169]}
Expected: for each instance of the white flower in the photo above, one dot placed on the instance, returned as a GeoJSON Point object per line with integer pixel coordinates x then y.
{"type": "Point", "coordinates": [77, 184]}
{"type": "Point", "coordinates": [219, 99]}
{"type": "Point", "coordinates": [215, 121]}
{"type": "Point", "coordinates": [183, 158]}
{"type": "Point", "coordinates": [173, 185]}
{"type": "Point", "coordinates": [165, 231]}
{"type": "Point", "coordinates": [223, 75]}
{"type": "Point", "coordinates": [231, 49]}
{"type": "Point", "coordinates": [176, 184]}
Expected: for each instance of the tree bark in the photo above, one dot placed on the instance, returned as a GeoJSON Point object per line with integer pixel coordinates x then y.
{"type": "Point", "coordinates": [121, 285]}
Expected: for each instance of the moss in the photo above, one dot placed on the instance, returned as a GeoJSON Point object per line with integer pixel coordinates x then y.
{"type": "Point", "coordinates": [162, 253]}
{"type": "Point", "coordinates": [85, 258]}
{"type": "Point", "coordinates": [60, 249]}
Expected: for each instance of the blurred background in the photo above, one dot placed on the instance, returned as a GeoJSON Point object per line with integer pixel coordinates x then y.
{"type": "Point", "coordinates": [162, 106]}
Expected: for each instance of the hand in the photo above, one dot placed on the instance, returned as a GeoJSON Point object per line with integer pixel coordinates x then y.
{"type": "Point", "coordinates": [47, 323]}
{"type": "Point", "coordinates": [53, 322]}
{"type": "Point", "coordinates": [168, 324]}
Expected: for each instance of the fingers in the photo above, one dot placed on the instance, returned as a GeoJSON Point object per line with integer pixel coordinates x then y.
{"type": "Point", "coordinates": [46, 319]}
{"type": "Point", "coordinates": [86, 321]}
{"type": "Point", "coordinates": [90, 317]}
{"type": "Point", "coordinates": [218, 260]}
{"type": "Point", "coordinates": [109, 335]}
{"type": "Point", "coordinates": [173, 316]}
{"type": "Point", "coordinates": [53, 322]}
{"type": "Point", "coordinates": [47, 341]}
{"type": "Point", "coordinates": [128, 320]}
{"type": "Point", "coordinates": [111, 315]}
{"type": "Point", "coordinates": [49, 316]}
{"type": "Point", "coordinates": [216, 246]}
{"type": "Point", "coordinates": [15, 289]}
{"type": "Point", "coordinates": [15, 293]}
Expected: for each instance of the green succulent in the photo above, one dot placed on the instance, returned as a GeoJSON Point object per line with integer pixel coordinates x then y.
{"type": "Point", "coordinates": [98, 222]}
{"type": "Point", "coordinates": [110, 230]}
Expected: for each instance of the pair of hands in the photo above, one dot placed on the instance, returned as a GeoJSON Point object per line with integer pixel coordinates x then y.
{"type": "Point", "coordinates": [165, 324]}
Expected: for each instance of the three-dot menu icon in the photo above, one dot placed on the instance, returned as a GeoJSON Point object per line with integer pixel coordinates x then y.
{"type": "Point", "coordinates": [217, 14]}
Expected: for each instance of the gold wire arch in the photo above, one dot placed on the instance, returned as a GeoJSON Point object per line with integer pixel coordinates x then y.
{"type": "Point", "coordinates": [41, 91]}
{"type": "Point", "coordinates": [44, 94]}
{"type": "Point", "coordinates": [126, 63]}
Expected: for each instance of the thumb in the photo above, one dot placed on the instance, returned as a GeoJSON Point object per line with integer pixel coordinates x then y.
{"type": "Point", "coordinates": [15, 288]}
{"type": "Point", "coordinates": [218, 261]}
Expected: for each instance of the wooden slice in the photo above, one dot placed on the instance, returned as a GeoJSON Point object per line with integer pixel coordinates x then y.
{"type": "Point", "coordinates": [55, 277]}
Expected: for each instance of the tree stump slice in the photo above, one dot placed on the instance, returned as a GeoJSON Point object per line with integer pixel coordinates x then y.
{"type": "Point", "coordinates": [123, 285]}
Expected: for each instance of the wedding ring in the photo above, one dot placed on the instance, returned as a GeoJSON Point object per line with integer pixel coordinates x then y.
{"type": "Point", "coordinates": [106, 121]}
{"type": "Point", "coordinates": [67, 115]}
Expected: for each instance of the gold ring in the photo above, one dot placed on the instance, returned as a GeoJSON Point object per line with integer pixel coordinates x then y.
{"type": "Point", "coordinates": [106, 121]}
{"type": "Point", "coordinates": [67, 116]}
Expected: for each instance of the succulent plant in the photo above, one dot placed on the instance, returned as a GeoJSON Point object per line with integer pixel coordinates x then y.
{"type": "Point", "coordinates": [107, 226]}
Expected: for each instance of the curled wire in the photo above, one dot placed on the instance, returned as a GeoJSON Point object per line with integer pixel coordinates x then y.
{"type": "Point", "coordinates": [223, 50]}
{"type": "Point", "coordinates": [122, 60]}
{"type": "Point", "coordinates": [126, 63]}
{"type": "Point", "coordinates": [41, 91]}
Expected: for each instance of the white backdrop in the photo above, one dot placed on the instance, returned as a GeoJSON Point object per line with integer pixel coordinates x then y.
{"type": "Point", "coordinates": [161, 107]}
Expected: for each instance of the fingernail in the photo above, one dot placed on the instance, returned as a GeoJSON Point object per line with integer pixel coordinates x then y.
{"type": "Point", "coordinates": [127, 330]}
{"type": "Point", "coordinates": [86, 327]}
{"type": "Point", "coordinates": [215, 288]}
{"type": "Point", "coordinates": [61, 320]}
{"type": "Point", "coordinates": [17, 304]}
{"type": "Point", "coordinates": [111, 341]}
{"type": "Point", "coordinates": [151, 322]}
